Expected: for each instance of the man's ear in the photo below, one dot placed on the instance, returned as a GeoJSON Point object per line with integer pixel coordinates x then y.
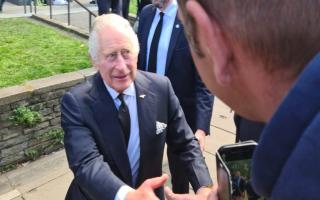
{"type": "Point", "coordinates": [212, 41]}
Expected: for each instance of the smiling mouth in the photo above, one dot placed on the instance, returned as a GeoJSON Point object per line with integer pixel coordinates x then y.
{"type": "Point", "coordinates": [121, 77]}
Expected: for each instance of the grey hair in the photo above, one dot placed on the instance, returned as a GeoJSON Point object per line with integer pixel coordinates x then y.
{"type": "Point", "coordinates": [115, 22]}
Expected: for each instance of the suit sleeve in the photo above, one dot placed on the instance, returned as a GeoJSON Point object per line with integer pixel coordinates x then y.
{"type": "Point", "coordinates": [84, 158]}
{"type": "Point", "coordinates": [140, 56]}
{"type": "Point", "coordinates": [144, 15]}
{"type": "Point", "coordinates": [181, 141]}
{"type": "Point", "coordinates": [204, 104]}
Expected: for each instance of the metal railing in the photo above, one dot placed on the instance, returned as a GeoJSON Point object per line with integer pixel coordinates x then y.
{"type": "Point", "coordinates": [90, 13]}
{"type": "Point", "coordinates": [32, 3]}
{"type": "Point", "coordinates": [33, 7]}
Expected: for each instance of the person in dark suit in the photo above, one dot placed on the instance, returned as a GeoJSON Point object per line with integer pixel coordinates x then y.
{"type": "Point", "coordinates": [105, 5]}
{"type": "Point", "coordinates": [238, 186]}
{"type": "Point", "coordinates": [125, 8]}
{"type": "Point", "coordinates": [141, 4]}
{"type": "Point", "coordinates": [173, 59]}
{"type": "Point", "coordinates": [117, 123]}
{"type": "Point", "coordinates": [1, 5]}
{"type": "Point", "coordinates": [247, 129]}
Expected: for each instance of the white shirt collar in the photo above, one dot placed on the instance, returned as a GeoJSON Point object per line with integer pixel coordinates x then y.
{"type": "Point", "coordinates": [130, 91]}
{"type": "Point", "coordinates": [171, 10]}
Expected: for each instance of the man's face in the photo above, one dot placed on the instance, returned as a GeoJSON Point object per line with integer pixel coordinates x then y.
{"type": "Point", "coordinates": [116, 61]}
{"type": "Point", "coordinates": [237, 174]}
{"type": "Point", "coordinates": [160, 3]}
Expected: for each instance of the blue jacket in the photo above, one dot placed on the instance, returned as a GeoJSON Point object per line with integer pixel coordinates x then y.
{"type": "Point", "coordinates": [286, 163]}
{"type": "Point", "coordinates": [195, 99]}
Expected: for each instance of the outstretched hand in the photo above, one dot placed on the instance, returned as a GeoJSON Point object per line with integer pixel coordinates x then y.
{"type": "Point", "coordinates": [146, 189]}
{"type": "Point", "coordinates": [172, 196]}
{"type": "Point", "coordinates": [202, 194]}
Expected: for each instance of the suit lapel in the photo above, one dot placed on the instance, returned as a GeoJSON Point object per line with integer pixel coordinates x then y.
{"type": "Point", "coordinates": [147, 118]}
{"type": "Point", "coordinates": [105, 114]}
{"type": "Point", "coordinates": [144, 38]}
{"type": "Point", "coordinates": [176, 30]}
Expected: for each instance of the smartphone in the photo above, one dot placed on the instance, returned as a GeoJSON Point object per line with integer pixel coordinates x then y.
{"type": "Point", "coordinates": [224, 179]}
{"type": "Point", "coordinates": [233, 170]}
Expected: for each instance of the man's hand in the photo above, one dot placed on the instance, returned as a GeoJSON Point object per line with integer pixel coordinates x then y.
{"type": "Point", "coordinates": [200, 135]}
{"type": "Point", "coordinates": [145, 191]}
{"type": "Point", "coordinates": [172, 196]}
{"type": "Point", "coordinates": [202, 194]}
{"type": "Point", "coordinates": [213, 195]}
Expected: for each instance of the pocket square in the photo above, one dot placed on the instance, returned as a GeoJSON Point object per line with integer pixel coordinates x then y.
{"type": "Point", "coordinates": [160, 127]}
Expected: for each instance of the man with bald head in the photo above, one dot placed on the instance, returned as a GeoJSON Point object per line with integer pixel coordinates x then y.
{"type": "Point", "coordinates": [262, 59]}
{"type": "Point", "coordinates": [117, 123]}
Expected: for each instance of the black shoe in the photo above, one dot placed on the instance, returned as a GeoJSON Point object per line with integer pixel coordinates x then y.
{"type": "Point", "coordinates": [92, 2]}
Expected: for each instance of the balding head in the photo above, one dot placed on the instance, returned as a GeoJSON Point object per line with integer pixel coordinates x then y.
{"type": "Point", "coordinates": [282, 33]}
{"type": "Point", "coordinates": [250, 52]}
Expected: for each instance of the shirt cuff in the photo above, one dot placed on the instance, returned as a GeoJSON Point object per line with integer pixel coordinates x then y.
{"type": "Point", "coordinates": [122, 192]}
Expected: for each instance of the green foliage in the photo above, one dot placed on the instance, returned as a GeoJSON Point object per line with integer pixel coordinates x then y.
{"type": "Point", "coordinates": [31, 51]}
{"type": "Point", "coordinates": [9, 167]}
{"type": "Point", "coordinates": [53, 141]}
{"type": "Point", "coordinates": [32, 154]}
{"type": "Point", "coordinates": [24, 116]}
{"type": "Point", "coordinates": [133, 7]}
{"type": "Point", "coordinates": [56, 135]}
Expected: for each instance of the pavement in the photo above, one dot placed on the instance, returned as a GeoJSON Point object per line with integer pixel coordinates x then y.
{"type": "Point", "coordinates": [49, 177]}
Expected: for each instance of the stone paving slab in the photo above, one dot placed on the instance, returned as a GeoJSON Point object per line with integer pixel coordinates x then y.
{"type": "Point", "coordinates": [55, 189]}
{"type": "Point", "coordinates": [13, 194]}
{"type": "Point", "coordinates": [4, 185]}
{"type": "Point", "coordinates": [38, 173]}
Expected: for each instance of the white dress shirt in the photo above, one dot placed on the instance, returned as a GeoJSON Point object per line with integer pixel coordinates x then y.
{"type": "Point", "coordinates": [168, 21]}
{"type": "Point", "coordinates": [133, 149]}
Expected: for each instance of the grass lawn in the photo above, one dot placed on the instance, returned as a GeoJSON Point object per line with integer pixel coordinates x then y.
{"type": "Point", "coordinates": [133, 7]}
{"type": "Point", "coordinates": [30, 51]}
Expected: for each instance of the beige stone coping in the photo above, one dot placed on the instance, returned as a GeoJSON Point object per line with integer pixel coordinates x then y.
{"type": "Point", "coordinates": [20, 92]}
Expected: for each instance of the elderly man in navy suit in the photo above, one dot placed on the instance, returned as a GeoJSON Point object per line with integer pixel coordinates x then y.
{"type": "Point", "coordinates": [117, 123]}
{"type": "Point", "coordinates": [165, 51]}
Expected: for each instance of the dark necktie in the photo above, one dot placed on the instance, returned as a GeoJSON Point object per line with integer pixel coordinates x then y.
{"type": "Point", "coordinates": [124, 118]}
{"type": "Point", "coordinates": [152, 66]}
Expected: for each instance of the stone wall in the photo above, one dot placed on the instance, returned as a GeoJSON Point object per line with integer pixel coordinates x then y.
{"type": "Point", "coordinates": [19, 142]}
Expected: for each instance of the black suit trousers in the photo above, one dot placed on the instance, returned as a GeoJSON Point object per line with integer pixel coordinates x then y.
{"type": "Point", "coordinates": [105, 5]}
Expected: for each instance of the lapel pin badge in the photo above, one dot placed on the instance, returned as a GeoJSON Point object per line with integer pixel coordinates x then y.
{"type": "Point", "coordinates": [142, 96]}
{"type": "Point", "coordinates": [177, 26]}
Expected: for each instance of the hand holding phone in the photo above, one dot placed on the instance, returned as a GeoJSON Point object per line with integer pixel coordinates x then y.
{"type": "Point", "coordinates": [233, 169]}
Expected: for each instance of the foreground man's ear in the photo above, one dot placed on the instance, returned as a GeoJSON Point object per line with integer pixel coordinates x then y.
{"type": "Point", "coordinates": [211, 41]}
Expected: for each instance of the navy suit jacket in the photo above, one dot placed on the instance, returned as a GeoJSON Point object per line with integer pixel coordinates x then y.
{"type": "Point", "coordinates": [96, 148]}
{"type": "Point", "coordinates": [286, 162]}
{"type": "Point", "coordinates": [195, 99]}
